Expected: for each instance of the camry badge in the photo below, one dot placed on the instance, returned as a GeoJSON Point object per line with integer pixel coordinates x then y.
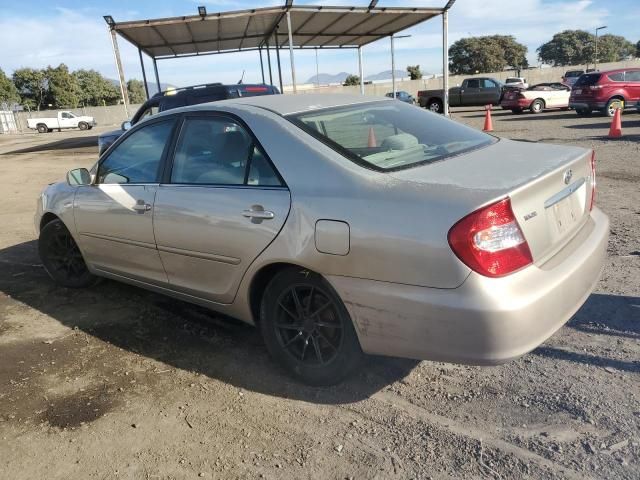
{"type": "Point", "coordinates": [567, 176]}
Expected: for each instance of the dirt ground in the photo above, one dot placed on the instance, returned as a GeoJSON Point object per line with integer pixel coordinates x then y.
{"type": "Point", "coordinates": [116, 382]}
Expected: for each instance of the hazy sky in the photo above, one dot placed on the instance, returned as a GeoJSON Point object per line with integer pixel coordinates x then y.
{"type": "Point", "coordinates": [37, 33]}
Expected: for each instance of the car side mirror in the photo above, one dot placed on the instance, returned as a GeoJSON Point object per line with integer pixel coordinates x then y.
{"type": "Point", "coordinates": [126, 125]}
{"type": "Point", "coordinates": [79, 176]}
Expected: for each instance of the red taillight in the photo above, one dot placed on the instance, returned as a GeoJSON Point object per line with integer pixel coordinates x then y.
{"type": "Point", "coordinates": [255, 89]}
{"type": "Point", "coordinates": [490, 242]}
{"type": "Point", "coordinates": [593, 180]}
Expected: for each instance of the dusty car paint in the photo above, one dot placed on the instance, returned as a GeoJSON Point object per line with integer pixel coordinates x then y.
{"type": "Point", "coordinates": [408, 294]}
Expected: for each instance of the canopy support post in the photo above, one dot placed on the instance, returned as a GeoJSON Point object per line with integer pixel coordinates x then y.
{"type": "Point", "coordinates": [123, 87]}
{"type": "Point", "coordinates": [293, 67]}
{"type": "Point", "coordinates": [278, 58]}
{"type": "Point", "coordinates": [144, 74]}
{"type": "Point", "coordinates": [155, 70]}
{"type": "Point", "coordinates": [361, 70]}
{"type": "Point", "coordinates": [445, 62]}
{"type": "Point", "coordinates": [393, 69]}
{"type": "Point", "coordinates": [317, 69]}
{"type": "Point", "coordinates": [269, 62]}
{"type": "Point", "coordinates": [261, 64]}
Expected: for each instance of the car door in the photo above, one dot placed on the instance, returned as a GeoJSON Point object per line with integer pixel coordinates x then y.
{"type": "Point", "coordinates": [470, 92]}
{"type": "Point", "coordinates": [489, 92]}
{"type": "Point", "coordinates": [114, 215]}
{"type": "Point", "coordinates": [220, 205]}
{"type": "Point", "coordinates": [66, 120]}
{"type": "Point", "coordinates": [632, 81]}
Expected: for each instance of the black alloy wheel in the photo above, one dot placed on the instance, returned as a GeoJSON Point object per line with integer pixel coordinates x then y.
{"type": "Point", "coordinates": [62, 258]}
{"type": "Point", "coordinates": [307, 329]}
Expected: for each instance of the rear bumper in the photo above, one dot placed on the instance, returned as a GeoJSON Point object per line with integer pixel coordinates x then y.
{"type": "Point", "coordinates": [586, 105]}
{"type": "Point", "coordinates": [516, 103]}
{"type": "Point", "coordinates": [486, 320]}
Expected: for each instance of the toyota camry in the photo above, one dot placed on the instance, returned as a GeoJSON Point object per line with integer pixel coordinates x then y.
{"type": "Point", "coordinates": [340, 226]}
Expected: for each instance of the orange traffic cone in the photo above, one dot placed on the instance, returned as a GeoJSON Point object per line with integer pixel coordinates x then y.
{"type": "Point", "coordinates": [615, 131]}
{"type": "Point", "coordinates": [372, 142]}
{"type": "Point", "coordinates": [488, 124]}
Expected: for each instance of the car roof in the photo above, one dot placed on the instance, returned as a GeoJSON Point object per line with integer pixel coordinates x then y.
{"type": "Point", "coordinates": [288, 104]}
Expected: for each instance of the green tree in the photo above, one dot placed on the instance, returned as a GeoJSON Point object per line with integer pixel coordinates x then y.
{"type": "Point", "coordinates": [32, 86]}
{"type": "Point", "coordinates": [93, 88]}
{"type": "Point", "coordinates": [638, 49]}
{"type": "Point", "coordinates": [570, 47]}
{"type": "Point", "coordinates": [351, 80]}
{"type": "Point", "coordinates": [491, 53]}
{"type": "Point", "coordinates": [8, 91]}
{"type": "Point", "coordinates": [613, 48]}
{"type": "Point", "coordinates": [414, 72]}
{"type": "Point", "coordinates": [63, 90]}
{"type": "Point", "coordinates": [135, 88]}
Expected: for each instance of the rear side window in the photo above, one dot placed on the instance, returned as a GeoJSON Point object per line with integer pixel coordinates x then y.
{"type": "Point", "coordinates": [573, 73]}
{"type": "Point", "coordinates": [219, 151]}
{"type": "Point", "coordinates": [616, 77]}
{"type": "Point", "coordinates": [473, 83]}
{"type": "Point", "coordinates": [588, 79]}
{"type": "Point", "coordinates": [632, 76]}
{"type": "Point", "coordinates": [388, 136]}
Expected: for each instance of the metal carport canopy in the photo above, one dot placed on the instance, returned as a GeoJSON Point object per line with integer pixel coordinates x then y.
{"type": "Point", "coordinates": [311, 27]}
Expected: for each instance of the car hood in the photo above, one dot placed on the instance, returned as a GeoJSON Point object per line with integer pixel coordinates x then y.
{"type": "Point", "coordinates": [112, 133]}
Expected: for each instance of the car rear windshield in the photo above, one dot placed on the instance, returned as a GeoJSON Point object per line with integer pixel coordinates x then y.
{"type": "Point", "coordinates": [588, 79]}
{"type": "Point", "coordinates": [387, 136]}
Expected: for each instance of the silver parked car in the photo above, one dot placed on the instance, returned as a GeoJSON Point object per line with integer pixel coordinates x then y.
{"type": "Point", "coordinates": [341, 225]}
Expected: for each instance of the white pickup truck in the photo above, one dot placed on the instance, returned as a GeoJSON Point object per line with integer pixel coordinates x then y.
{"type": "Point", "coordinates": [63, 120]}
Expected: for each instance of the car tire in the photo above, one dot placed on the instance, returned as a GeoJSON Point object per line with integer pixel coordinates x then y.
{"type": "Point", "coordinates": [609, 110]}
{"type": "Point", "coordinates": [516, 110]}
{"type": "Point", "coordinates": [435, 105]}
{"type": "Point", "coordinates": [61, 257]}
{"type": "Point", "coordinates": [42, 128]}
{"type": "Point", "coordinates": [307, 328]}
{"type": "Point", "coordinates": [83, 126]}
{"type": "Point", "coordinates": [537, 106]}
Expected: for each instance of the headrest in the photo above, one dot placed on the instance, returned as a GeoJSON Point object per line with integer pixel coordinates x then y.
{"type": "Point", "coordinates": [401, 141]}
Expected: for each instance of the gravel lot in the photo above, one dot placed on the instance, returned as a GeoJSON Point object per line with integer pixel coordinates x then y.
{"type": "Point", "coordinates": [116, 382]}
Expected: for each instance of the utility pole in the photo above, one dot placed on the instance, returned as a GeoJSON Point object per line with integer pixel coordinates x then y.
{"type": "Point", "coordinates": [595, 60]}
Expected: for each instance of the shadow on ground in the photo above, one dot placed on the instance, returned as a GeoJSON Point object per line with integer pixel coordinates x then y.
{"type": "Point", "coordinates": [90, 141]}
{"type": "Point", "coordinates": [178, 334]}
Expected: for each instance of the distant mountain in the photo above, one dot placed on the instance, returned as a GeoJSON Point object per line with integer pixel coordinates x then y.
{"type": "Point", "coordinates": [326, 78]}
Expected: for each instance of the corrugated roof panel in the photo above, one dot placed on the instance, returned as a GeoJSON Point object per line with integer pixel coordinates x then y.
{"type": "Point", "coordinates": [312, 27]}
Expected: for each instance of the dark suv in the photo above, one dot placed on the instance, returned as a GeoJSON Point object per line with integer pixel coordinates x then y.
{"type": "Point", "coordinates": [180, 97]}
{"type": "Point", "coordinates": [603, 90]}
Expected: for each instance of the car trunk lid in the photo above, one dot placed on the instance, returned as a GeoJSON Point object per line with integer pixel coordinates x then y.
{"type": "Point", "coordinates": [550, 188]}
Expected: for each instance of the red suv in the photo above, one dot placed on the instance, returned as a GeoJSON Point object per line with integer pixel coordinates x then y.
{"type": "Point", "coordinates": [599, 91]}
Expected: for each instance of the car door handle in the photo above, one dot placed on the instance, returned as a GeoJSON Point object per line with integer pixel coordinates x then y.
{"type": "Point", "coordinates": [141, 206]}
{"type": "Point", "coordinates": [259, 214]}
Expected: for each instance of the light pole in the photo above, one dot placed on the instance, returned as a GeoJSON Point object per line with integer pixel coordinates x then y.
{"type": "Point", "coordinates": [393, 63]}
{"type": "Point", "coordinates": [595, 60]}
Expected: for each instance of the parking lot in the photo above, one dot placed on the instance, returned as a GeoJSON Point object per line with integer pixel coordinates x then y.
{"type": "Point", "coordinates": [117, 382]}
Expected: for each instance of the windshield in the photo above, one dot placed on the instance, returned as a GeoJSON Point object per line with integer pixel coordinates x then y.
{"type": "Point", "coordinates": [388, 136]}
{"type": "Point", "coordinates": [587, 79]}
